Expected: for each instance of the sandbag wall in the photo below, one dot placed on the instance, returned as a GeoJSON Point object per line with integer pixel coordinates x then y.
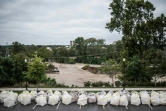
{"type": "Point", "coordinates": [82, 98]}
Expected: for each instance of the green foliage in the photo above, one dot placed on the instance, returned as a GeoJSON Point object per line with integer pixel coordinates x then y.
{"type": "Point", "coordinates": [12, 71]}
{"type": "Point", "coordinates": [17, 48]}
{"type": "Point", "coordinates": [36, 70]}
{"type": "Point", "coordinates": [45, 53]}
{"type": "Point", "coordinates": [140, 29]}
{"type": "Point", "coordinates": [97, 84]}
{"type": "Point", "coordinates": [118, 83]}
{"type": "Point", "coordinates": [50, 82]}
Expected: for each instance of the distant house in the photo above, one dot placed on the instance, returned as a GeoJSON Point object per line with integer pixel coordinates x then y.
{"type": "Point", "coordinates": [49, 48]}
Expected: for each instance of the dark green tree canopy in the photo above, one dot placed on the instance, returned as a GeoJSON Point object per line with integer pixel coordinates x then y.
{"type": "Point", "coordinates": [140, 29]}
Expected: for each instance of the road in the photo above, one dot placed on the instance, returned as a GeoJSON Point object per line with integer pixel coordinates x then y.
{"type": "Point", "coordinates": [75, 107]}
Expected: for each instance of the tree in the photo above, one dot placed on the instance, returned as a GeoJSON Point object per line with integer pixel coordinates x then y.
{"type": "Point", "coordinates": [17, 47]}
{"type": "Point", "coordinates": [36, 70]}
{"type": "Point", "coordinates": [79, 44]}
{"type": "Point", "coordinates": [135, 70]}
{"type": "Point", "coordinates": [45, 53]}
{"type": "Point", "coordinates": [140, 29]}
{"type": "Point", "coordinates": [111, 68]}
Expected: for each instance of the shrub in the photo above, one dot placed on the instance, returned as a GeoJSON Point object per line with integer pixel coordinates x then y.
{"type": "Point", "coordinates": [118, 83]}
{"type": "Point", "coordinates": [87, 84]}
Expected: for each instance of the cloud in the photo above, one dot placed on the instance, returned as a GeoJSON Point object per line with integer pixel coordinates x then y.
{"type": "Point", "coordinates": [57, 21]}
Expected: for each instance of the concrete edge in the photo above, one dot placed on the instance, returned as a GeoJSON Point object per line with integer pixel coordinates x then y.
{"type": "Point", "coordinates": [80, 89]}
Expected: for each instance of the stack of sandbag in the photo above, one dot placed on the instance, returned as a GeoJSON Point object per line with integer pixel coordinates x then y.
{"type": "Point", "coordinates": [91, 98]}
{"type": "Point", "coordinates": [155, 100]}
{"type": "Point", "coordinates": [58, 93]}
{"type": "Point", "coordinates": [101, 98]}
{"type": "Point", "coordinates": [4, 94]}
{"type": "Point", "coordinates": [135, 98]}
{"type": "Point", "coordinates": [109, 96]}
{"type": "Point", "coordinates": [11, 99]}
{"type": "Point", "coordinates": [74, 96]}
{"type": "Point", "coordinates": [66, 98]}
{"type": "Point", "coordinates": [82, 100]}
{"type": "Point", "coordinates": [24, 98]}
{"type": "Point", "coordinates": [162, 96]}
{"type": "Point", "coordinates": [33, 94]}
{"type": "Point", "coordinates": [115, 99]}
{"type": "Point", "coordinates": [53, 99]}
{"type": "Point", "coordinates": [41, 100]}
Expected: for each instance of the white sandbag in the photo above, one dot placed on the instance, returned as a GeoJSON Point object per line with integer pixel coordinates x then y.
{"type": "Point", "coordinates": [41, 100]}
{"type": "Point", "coordinates": [128, 95]}
{"type": "Point", "coordinates": [135, 98]}
{"type": "Point", "coordinates": [115, 99]}
{"type": "Point", "coordinates": [155, 100]}
{"type": "Point", "coordinates": [162, 96]}
{"type": "Point", "coordinates": [4, 94]}
{"type": "Point", "coordinates": [49, 93]}
{"type": "Point", "coordinates": [24, 98]}
{"type": "Point", "coordinates": [33, 94]}
{"type": "Point", "coordinates": [91, 98]}
{"type": "Point", "coordinates": [40, 93]}
{"type": "Point", "coordinates": [66, 98]}
{"type": "Point", "coordinates": [102, 100]}
{"type": "Point", "coordinates": [123, 101]}
{"type": "Point", "coordinates": [109, 96]}
{"type": "Point", "coordinates": [53, 99]}
{"type": "Point", "coordinates": [58, 93]}
{"type": "Point", "coordinates": [145, 98]}
{"type": "Point", "coordinates": [82, 100]}
{"type": "Point", "coordinates": [74, 96]}
{"type": "Point", "coordinates": [9, 101]}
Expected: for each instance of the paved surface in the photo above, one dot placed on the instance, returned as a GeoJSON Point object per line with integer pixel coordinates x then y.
{"type": "Point", "coordinates": [80, 89]}
{"type": "Point", "coordinates": [75, 107]}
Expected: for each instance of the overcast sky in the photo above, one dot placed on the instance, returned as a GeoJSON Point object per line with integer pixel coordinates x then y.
{"type": "Point", "coordinates": [57, 22]}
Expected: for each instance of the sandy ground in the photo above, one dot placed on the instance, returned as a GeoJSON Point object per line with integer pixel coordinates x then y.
{"type": "Point", "coordinates": [73, 74]}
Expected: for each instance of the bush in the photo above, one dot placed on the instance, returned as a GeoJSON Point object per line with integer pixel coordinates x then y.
{"type": "Point", "coordinates": [97, 84]}
{"type": "Point", "coordinates": [118, 83]}
{"type": "Point", "coordinates": [87, 84]}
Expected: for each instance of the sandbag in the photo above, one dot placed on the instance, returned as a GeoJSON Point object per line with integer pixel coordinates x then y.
{"type": "Point", "coordinates": [74, 96]}
{"type": "Point", "coordinates": [9, 101]}
{"type": "Point", "coordinates": [41, 100]}
{"type": "Point", "coordinates": [91, 98]}
{"type": "Point", "coordinates": [102, 99]}
{"type": "Point", "coordinates": [24, 98]}
{"type": "Point", "coordinates": [145, 98]}
{"type": "Point", "coordinates": [128, 95]}
{"type": "Point", "coordinates": [109, 96]}
{"type": "Point", "coordinates": [53, 99]}
{"type": "Point", "coordinates": [162, 97]}
{"type": "Point", "coordinates": [82, 100]}
{"type": "Point", "coordinates": [123, 101]}
{"type": "Point", "coordinates": [58, 93]}
{"type": "Point", "coordinates": [115, 99]}
{"type": "Point", "coordinates": [4, 94]}
{"type": "Point", "coordinates": [66, 98]}
{"type": "Point", "coordinates": [155, 100]}
{"type": "Point", "coordinates": [49, 93]}
{"type": "Point", "coordinates": [33, 95]}
{"type": "Point", "coordinates": [135, 98]}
